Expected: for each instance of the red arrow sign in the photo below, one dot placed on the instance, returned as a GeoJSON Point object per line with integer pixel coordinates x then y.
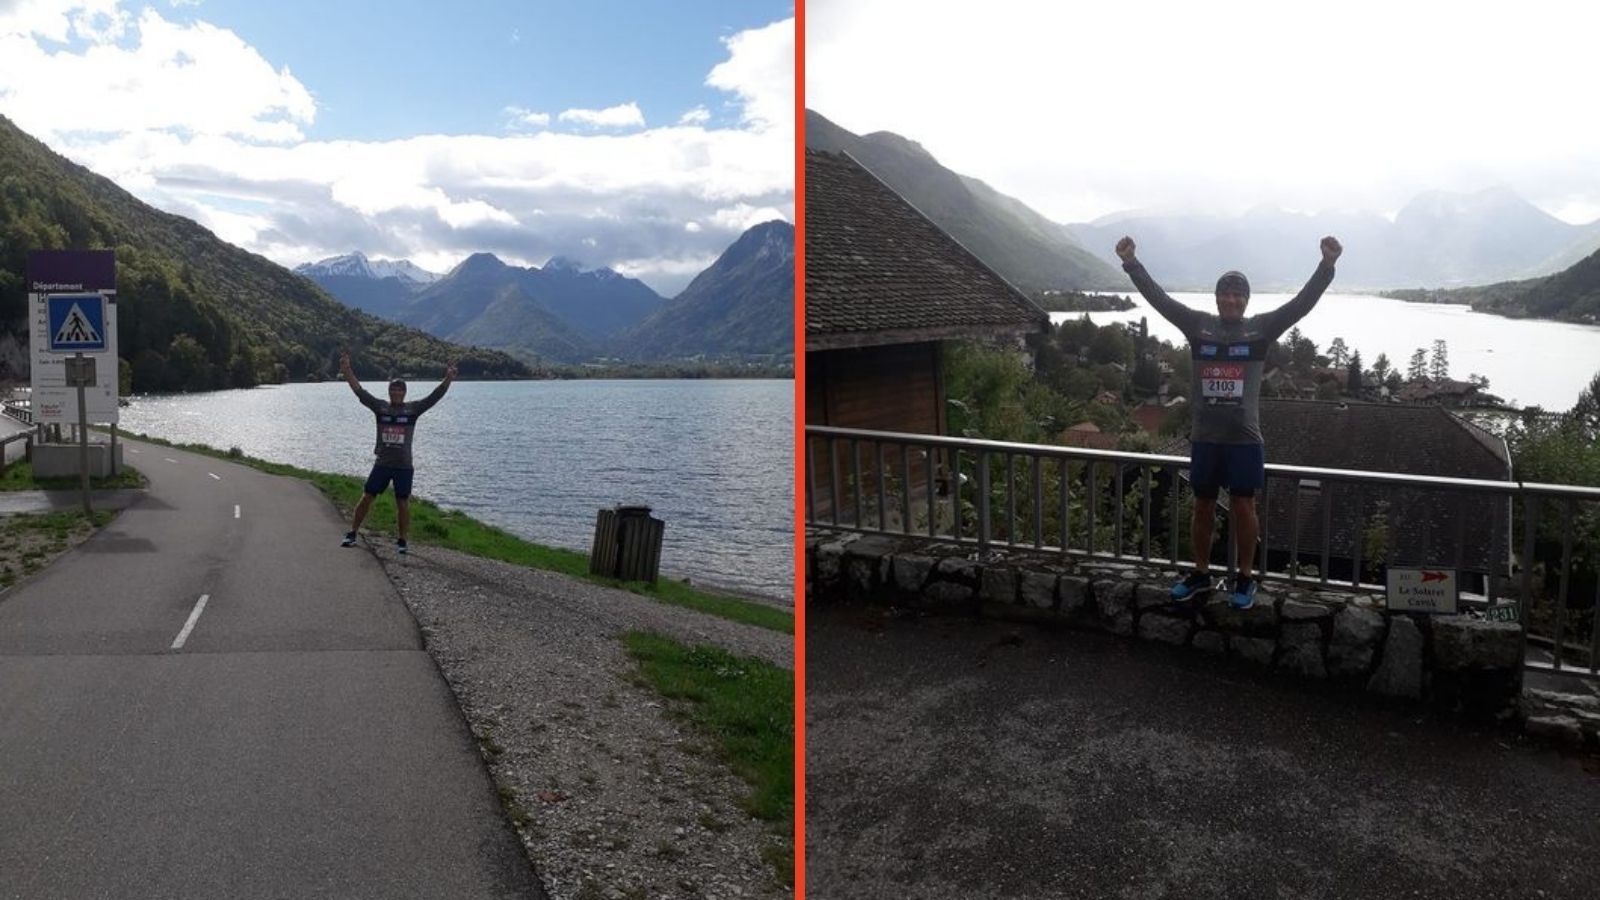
{"type": "Point", "coordinates": [1433, 576]}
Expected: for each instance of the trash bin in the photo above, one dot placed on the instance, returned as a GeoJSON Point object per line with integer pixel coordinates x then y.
{"type": "Point", "coordinates": [627, 544]}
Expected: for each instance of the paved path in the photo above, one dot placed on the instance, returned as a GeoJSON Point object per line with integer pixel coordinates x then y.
{"type": "Point", "coordinates": [955, 759]}
{"type": "Point", "coordinates": [293, 740]}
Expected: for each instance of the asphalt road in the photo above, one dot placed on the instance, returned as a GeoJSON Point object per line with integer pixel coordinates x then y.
{"type": "Point", "coordinates": [951, 758]}
{"type": "Point", "coordinates": [300, 742]}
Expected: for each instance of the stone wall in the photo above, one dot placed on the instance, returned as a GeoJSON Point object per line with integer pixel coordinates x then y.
{"type": "Point", "coordinates": [1459, 663]}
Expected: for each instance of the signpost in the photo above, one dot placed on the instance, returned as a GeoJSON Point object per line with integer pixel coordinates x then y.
{"type": "Point", "coordinates": [73, 310]}
{"type": "Point", "coordinates": [1424, 589]}
{"type": "Point", "coordinates": [58, 281]}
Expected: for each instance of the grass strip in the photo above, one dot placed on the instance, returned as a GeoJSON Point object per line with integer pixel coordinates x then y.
{"type": "Point", "coordinates": [19, 477]}
{"type": "Point", "coordinates": [456, 530]}
{"type": "Point", "coordinates": [747, 706]}
{"type": "Point", "coordinates": [28, 541]}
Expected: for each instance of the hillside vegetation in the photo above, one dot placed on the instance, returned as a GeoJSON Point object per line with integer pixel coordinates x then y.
{"type": "Point", "coordinates": [1571, 295]}
{"type": "Point", "coordinates": [194, 313]}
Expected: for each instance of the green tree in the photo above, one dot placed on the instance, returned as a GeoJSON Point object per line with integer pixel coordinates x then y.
{"type": "Point", "coordinates": [1439, 368]}
{"type": "Point", "coordinates": [1380, 367]}
{"type": "Point", "coordinates": [1111, 345]}
{"type": "Point", "coordinates": [1338, 353]}
{"type": "Point", "coordinates": [1353, 379]}
{"type": "Point", "coordinates": [1418, 369]}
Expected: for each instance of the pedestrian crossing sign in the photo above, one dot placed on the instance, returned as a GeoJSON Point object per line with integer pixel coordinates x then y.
{"type": "Point", "coordinates": [77, 322]}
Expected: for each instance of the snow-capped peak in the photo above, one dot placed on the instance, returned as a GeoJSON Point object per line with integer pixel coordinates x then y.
{"type": "Point", "coordinates": [357, 265]}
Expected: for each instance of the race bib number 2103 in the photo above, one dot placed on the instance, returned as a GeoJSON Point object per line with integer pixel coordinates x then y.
{"type": "Point", "coordinates": [1222, 381]}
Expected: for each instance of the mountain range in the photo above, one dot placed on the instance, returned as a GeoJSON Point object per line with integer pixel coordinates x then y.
{"type": "Point", "coordinates": [740, 307]}
{"type": "Point", "coordinates": [1571, 295]}
{"type": "Point", "coordinates": [1439, 239]}
{"type": "Point", "coordinates": [1023, 246]}
{"type": "Point", "coordinates": [194, 312]}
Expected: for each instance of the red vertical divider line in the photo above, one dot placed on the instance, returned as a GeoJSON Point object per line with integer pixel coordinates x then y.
{"type": "Point", "coordinates": [799, 455]}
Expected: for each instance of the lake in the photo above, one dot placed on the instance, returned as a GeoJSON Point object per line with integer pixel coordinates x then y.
{"type": "Point", "coordinates": [1527, 361]}
{"type": "Point", "coordinates": [713, 458]}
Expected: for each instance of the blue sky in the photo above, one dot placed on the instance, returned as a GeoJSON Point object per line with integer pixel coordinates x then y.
{"type": "Point", "coordinates": [644, 136]}
{"type": "Point", "coordinates": [381, 70]}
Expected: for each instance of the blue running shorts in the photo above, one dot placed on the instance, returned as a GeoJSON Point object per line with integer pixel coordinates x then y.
{"type": "Point", "coordinates": [382, 475]}
{"type": "Point", "coordinates": [1240, 468]}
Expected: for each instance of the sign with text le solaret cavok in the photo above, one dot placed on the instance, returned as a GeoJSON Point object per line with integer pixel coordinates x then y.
{"type": "Point", "coordinates": [1424, 589]}
{"type": "Point", "coordinates": [72, 309]}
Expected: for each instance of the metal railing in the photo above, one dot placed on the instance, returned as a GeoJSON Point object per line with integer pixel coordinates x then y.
{"type": "Point", "coordinates": [1328, 528]}
{"type": "Point", "coordinates": [22, 412]}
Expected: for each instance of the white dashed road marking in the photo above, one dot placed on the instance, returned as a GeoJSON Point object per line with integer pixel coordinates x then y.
{"type": "Point", "coordinates": [189, 625]}
{"type": "Point", "coordinates": [236, 510]}
{"type": "Point", "coordinates": [169, 459]}
{"type": "Point", "coordinates": [215, 475]}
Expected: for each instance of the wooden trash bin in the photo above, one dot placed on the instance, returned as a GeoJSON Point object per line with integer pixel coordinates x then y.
{"type": "Point", "coordinates": [627, 544]}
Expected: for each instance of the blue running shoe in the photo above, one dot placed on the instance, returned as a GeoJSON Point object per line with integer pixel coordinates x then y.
{"type": "Point", "coordinates": [402, 548]}
{"type": "Point", "coordinates": [349, 539]}
{"type": "Point", "coordinates": [1196, 584]}
{"type": "Point", "coordinates": [1244, 592]}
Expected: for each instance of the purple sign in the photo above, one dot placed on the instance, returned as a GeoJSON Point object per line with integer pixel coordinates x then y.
{"type": "Point", "coordinates": [59, 271]}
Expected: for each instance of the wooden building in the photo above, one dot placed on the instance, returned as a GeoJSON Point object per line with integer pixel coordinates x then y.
{"type": "Point", "coordinates": [884, 288]}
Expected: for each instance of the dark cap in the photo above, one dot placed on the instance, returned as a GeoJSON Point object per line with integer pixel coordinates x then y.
{"type": "Point", "coordinates": [1233, 283]}
{"type": "Point", "coordinates": [397, 383]}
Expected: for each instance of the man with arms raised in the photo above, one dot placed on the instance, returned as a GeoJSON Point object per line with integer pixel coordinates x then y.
{"type": "Point", "coordinates": [397, 423]}
{"type": "Point", "coordinates": [1228, 351]}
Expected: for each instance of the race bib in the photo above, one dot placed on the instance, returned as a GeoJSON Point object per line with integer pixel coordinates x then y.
{"type": "Point", "coordinates": [392, 435]}
{"type": "Point", "coordinates": [1222, 382]}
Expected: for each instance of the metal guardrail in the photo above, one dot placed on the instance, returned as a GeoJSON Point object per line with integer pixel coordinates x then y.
{"type": "Point", "coordinates": [1080, 503]}
{"type": "Point", "coordinates": [21, 412]}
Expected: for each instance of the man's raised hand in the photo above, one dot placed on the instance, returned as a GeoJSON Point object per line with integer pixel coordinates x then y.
{"type": "Point", "coordinates": [1331, 249]}
{"type": "Point", "coordinates": [1125, 249]}
{"type": "Point", "coordinates": [344, 362]}
{"type": "Point", "coordinates": [450, 370]}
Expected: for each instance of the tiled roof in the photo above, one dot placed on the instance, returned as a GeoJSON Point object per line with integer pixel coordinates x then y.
{"type": "Point", "coordinates": [879, 272]}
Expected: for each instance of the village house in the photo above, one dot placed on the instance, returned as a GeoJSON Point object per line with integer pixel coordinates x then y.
{"type": "Point", "coordinates": [885, 289]}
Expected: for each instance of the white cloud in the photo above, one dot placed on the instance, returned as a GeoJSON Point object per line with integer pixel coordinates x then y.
{"type": "Point", "coordinates": [697, 116]}
{"type": "Point", "coordinates": [625, 115]}
{"type": "Point", "coordinates": [527, 117]}
{"type": "Point", "coordinates": [149, 113]}
{"type": "Point", "coordinates": [198, 78]}
{"type": "Point", "coordinates": [760, 70]}
{"type": "Point", "coordinates": [1085, 109]}
{"type": "Point", "coordinates": [742, 217]}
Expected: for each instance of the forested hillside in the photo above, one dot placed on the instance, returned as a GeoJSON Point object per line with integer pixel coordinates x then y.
{"type": "Point", "coordinates": [194, 313]}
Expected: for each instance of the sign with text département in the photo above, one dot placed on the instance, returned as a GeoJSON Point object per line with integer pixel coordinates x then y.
{"type": "Point", "coordinates": [72, 308]}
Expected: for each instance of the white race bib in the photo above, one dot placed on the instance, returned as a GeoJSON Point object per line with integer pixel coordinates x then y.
{"type": "Point", "coordinates": [1223, 381]}
{"type": "Point", "coordinates": [392, 436]}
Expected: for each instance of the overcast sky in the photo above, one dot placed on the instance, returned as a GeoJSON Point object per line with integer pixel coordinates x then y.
{"type": "Point", "coordinates": [641, 136]}
{"type": "Point", "coordinates": [1083, 109]}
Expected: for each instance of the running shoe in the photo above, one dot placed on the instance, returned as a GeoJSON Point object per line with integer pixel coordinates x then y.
{"type": "Point", "coordinates": [401, 547]}
{"type": "Point", "coordinates": [1244, 592]}
{"type": "Point", "coordinates": [1197, 583]}
{"type": "Point", "coordinates": [349, 539]}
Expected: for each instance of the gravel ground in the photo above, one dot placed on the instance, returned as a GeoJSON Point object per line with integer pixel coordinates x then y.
{"type": "Point", "coordinates": [613, 796]}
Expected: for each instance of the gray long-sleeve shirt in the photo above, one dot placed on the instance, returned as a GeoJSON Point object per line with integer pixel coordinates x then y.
{"type": "Point", "coordinates": [397, 425]}
{"type": "Point", "coordinates": [1228, 357]}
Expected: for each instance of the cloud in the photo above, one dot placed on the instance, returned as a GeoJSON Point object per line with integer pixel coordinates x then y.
{"type": "Point", "coordinates": [760, 71]}
{"type": "Point", "coordinates": [626, 115]}
{"type": "Point", "coordinates": [150, 112]}
{"type": "Point", "coordinates": [198, 78]}
{"type": "Point", "coordinates": [527, 117]}
{"type": "Point", "coordinates": [697, 116]}
{"type": "Point", "coordinates": [1218, 106]}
